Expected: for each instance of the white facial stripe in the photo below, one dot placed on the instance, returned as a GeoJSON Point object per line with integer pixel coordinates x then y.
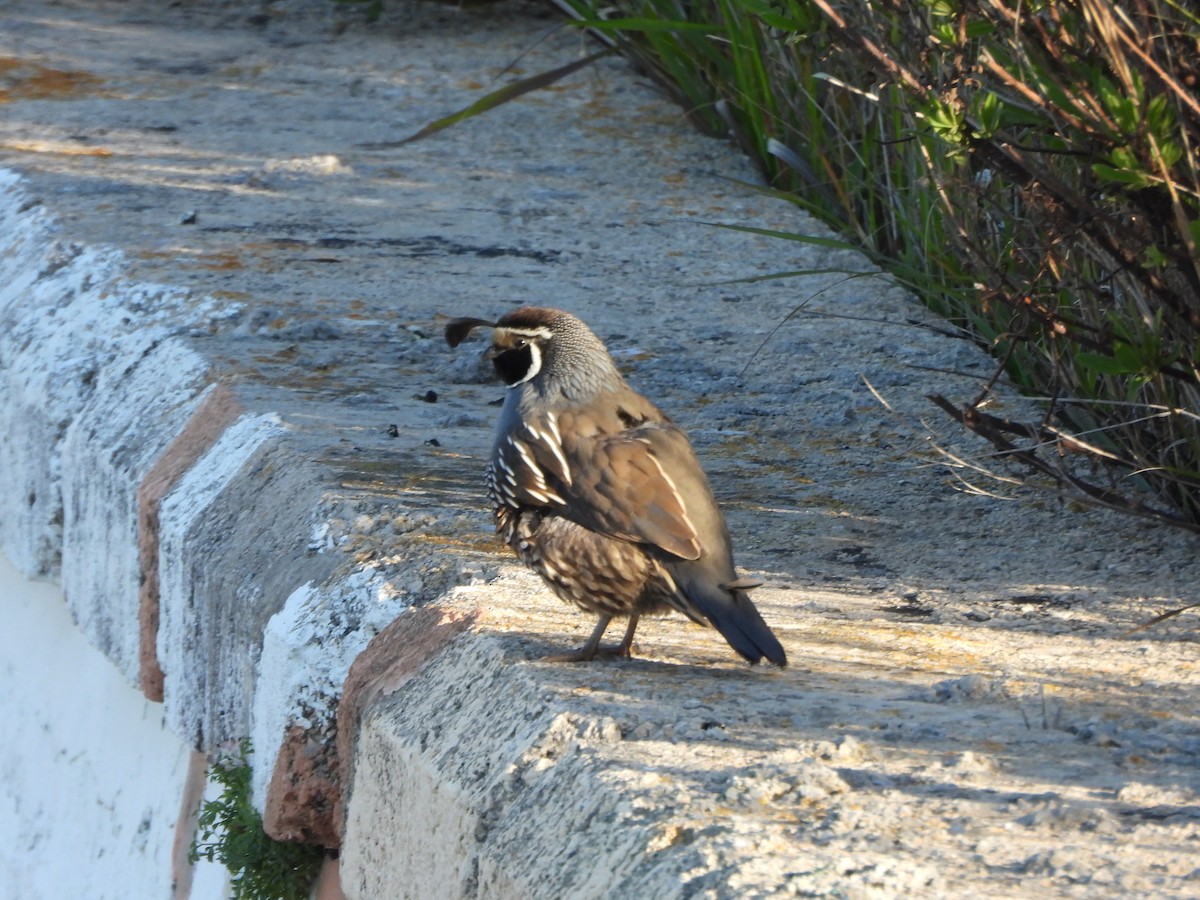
{"type": "Point", "coordinates": [535, 363]}
{"type": "Point", "coordinates": [540, 333]}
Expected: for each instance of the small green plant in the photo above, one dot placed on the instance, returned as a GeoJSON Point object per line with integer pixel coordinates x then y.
{"type": "Point", "coordinates": [230, 831]}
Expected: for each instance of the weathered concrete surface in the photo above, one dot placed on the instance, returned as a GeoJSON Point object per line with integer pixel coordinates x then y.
{"type": "Point", "coordinates": [209, 198]}
{"type": "Point", "coordinates": [216, 410]}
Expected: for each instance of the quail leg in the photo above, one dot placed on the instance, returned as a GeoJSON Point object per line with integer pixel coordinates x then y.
{"type": "Point", "coordinates": [592, 649]}
{"type": "Point", "coordinates": [588, 651]}
{"type": "Point", "coordinates": [625, 648]}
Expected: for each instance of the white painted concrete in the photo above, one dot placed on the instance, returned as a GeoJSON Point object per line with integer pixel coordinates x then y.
{"type": "Point", "coordinates": [186, 625]}
{"type": "Point", "coordinates": [90, 780]}
{"type": "Point", "coordinates": [307, 653]}
{"type": "Point", "coordinates": [132, 414]}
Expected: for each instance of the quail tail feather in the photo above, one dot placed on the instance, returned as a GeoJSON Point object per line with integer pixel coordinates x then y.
{"type": "Point", "coordinates": [734, 615]}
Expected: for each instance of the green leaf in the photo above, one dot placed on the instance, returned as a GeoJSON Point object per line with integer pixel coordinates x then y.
{"type": "Point", "coordinates": [1169, 153]}
{"type": "Point", "coordinates": [645, 25]}
{"type": "Point", "coordinates": [945, 34]}
{"type": "Point", "coordinates": [1153, 258]}
{"type": "Point", "coordinates": [988, 113]}
{"type": "Point", "coordinates": [1012, 115]}
{"type": "Point", "coordinates": [1057, 96]}
{"type": "Point", "coordinates": [945, 121]}
{"type": "Point", "coordinates": [1124, 158]}
{"type": "Point", "coordinates": [979, 28]}
{"type": "Point", "coordinates": [1120, 176]}
{"type": "Point", "coordinates": [1129, 357]}
{"type": "Point", "coordinates": [230, 832]}
{"type": "Point", "coordinates": [507, 93]}
{"type": "Point", "coordinates": [1104, 365]}
{"type": "Point", "coordinates": [789, 236]}
{"type": "Point", "coordinates": [1160, 117]}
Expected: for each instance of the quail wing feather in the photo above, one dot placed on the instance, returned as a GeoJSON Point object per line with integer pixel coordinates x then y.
{"type": "Point", "coordinates": [620, 483]}
{"type": "Point", "coordinates": [631, 493]}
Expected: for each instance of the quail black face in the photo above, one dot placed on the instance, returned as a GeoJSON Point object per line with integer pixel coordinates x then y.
{"type": "Point", "coordinates": [517, 353]}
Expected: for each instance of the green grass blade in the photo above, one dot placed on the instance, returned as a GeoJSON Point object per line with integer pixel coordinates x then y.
{"type": "Point", "coordinates": [505, 94]}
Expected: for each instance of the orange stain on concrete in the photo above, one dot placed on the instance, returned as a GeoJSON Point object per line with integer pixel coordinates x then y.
{"type": "Point", "coordinates": [22, 79]}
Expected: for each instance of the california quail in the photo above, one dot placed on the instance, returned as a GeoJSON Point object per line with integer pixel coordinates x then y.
{"type": "Point", "coordinates": [601, 494]}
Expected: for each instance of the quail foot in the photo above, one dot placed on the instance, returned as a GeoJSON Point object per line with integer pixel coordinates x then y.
{"type": "Point", "coordinates": [600, 493]}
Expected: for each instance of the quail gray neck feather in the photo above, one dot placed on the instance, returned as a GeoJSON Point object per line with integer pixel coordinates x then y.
{"type": "Point", "coordinates": [601, 494]}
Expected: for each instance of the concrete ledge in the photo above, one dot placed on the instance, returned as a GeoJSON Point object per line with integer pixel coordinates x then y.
{"type": "Point", "coordinates": [216, 411]}
{"type": "Point", "coordinates": [229, 427]}
{"type": "Point", "coordinates": [109, 452]}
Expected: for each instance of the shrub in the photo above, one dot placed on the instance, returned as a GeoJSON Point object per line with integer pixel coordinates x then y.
{"type": "Point", "coordinates": [230, 832]}
{"type": "Point", "coordinates": [1029, 167]}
